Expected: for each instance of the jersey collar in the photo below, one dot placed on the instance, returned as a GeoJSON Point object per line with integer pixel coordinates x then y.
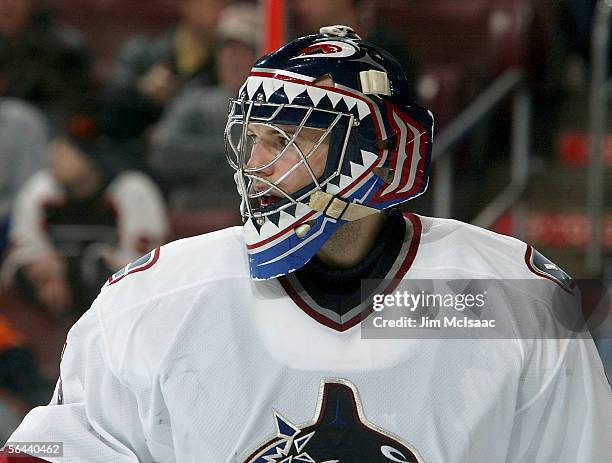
{"type": "Point", "coordinates": [352, 317]}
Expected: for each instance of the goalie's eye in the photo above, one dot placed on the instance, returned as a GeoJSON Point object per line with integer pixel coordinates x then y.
{"type": "Point", "coordinates": [281, 141]}
{"type": "Point", "coordinates": [252, 138]}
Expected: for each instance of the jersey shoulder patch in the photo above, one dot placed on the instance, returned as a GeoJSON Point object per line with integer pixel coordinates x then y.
{"type": "Point", "coordinates": [543, 267]}
{"type": "Point", "coordinates": [143, 263]}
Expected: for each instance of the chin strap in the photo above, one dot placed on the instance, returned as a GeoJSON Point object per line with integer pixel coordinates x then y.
{"type": "Point", "coordinates": [338, 208]}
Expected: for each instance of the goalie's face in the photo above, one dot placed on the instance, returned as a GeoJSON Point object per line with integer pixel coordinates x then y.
{"type": "Point", "coordinates": [283, 159]}
{"type": "Point", "coordinates": [277, 164]}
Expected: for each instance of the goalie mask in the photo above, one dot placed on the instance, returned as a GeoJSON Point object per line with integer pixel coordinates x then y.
{"type": "Point", "coordinates": [323, 132]}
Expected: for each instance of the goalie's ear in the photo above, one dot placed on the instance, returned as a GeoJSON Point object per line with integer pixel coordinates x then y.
{"type": "Point", "coordinates": [325, 80]}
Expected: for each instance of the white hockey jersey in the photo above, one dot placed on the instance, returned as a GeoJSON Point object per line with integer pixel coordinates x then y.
{"type": "Point", "coordinates": [183, 358]}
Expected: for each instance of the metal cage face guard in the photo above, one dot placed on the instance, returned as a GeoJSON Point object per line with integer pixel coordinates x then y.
{"type": "Point", "coordinates": [379, 145]}
{"type": "Point", "coordinates": [245, 114]}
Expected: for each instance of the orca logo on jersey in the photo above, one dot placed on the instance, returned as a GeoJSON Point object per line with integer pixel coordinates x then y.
{"type": "Point", "coordinates": [339, 434]}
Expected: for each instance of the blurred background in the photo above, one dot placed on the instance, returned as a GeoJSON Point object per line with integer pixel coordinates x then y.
{"type": "Point", "coordinates": [111, 139]}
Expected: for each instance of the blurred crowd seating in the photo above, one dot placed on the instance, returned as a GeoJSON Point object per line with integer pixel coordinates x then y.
{"type": "Point", "coordinates": [107, 24]}
{"type": "Point", "coordinates": [459, 47]}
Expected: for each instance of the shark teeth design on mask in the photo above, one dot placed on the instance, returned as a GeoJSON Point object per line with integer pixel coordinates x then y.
{"type": "Point", "coordinates": [363, 109]}
{"type": "Point", "coordinates": [251, 227]}
{"type": "Point", "coordinates": [253, 85]}
{"type": "Point", "coordinates": [274, 218]}
{"type": "Point", "coordinates": [291, 210]}
{"type": "Point", "coordinates": [345, 169]}
{"type": "Point", "coordinates": [286, 219]}
{"type": "Point", "coordinates": [302, 209]}
{"type": "Point", "coordinates": [368, 157]}
{"type": "Point", "coordinates": [269, 228]}
{"type": "Point", "coordinates": [270, 86]}
{"type": "Point", "coordinates": [356, 169]}
{"type": "Point", "coordinates": [335, 181]}
{"type": "Point", "coordinates": [279, 221]}
{"type": "Point", "coordinates": [358, 158]}
{"type": "Point", "coordinates": [243, 88]}
{"type": "Point", "coordinates": [276, 222]}
{"type": "Point", "coordinates": [293, 90]}
{"type": "Point", "coordinates": [349, 101]}
{"type": "Point", "coordinates": [315, 94]}
{"type": "Point", "coordinates": [332, 189]}
{"type": "Point", "coordinates": [334, 98]}
{"type": "Point", "coordinates": [345, 181]}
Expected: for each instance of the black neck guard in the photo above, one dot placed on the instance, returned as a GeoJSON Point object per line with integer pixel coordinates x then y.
{"type": "Point", "coordinates": [340, 290]}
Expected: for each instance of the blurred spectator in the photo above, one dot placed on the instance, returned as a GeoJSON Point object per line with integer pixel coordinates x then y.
{"type": "Point", "coordinates": [23, 140]}
{"type": "Point", "coordinates": [78, 221]}
{"type": "Point", "coordinates": [19, 373]}
{"type": "Point", "coordinates": [188, 153]}
{"type": "Point", "coordinates": [310, 15]}
{"type": "Point", "coordinates": [149, 72]}
{"type": "Point", "coordinates": [41, 62]}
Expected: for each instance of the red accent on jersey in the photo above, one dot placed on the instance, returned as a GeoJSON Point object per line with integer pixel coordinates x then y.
{"type": "Point", "coordinates": [5, 457]}
{"type": "Point", "coordinates": [112, 279]}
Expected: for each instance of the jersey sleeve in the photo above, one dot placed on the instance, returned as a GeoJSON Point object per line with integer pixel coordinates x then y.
{"type": "Point", "coordinates": [92, 413]}
{"type": "Point", "coordinates": [564, 403]}
{"type": "Point", "coordinates": [569, 418]}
